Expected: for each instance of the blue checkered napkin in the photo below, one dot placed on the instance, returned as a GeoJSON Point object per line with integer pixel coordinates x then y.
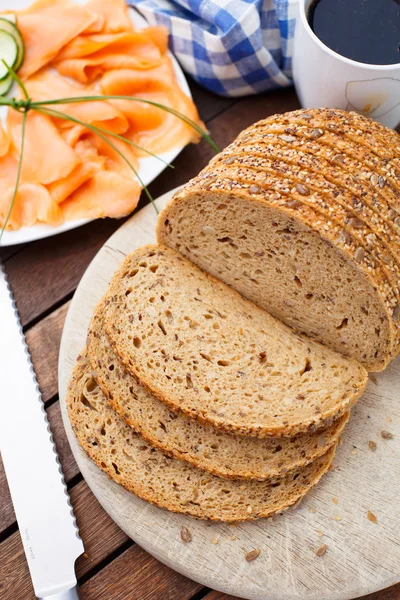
{"type": "Point", "coordinates": [231, 47]}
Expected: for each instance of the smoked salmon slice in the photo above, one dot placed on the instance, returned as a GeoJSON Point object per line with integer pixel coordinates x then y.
{"type": "Point", "coordinates": [91, 164]}
{"type": "Point", "coordinates": [4, 141]}
{"type": "Point", "coordinates": [46, 27]}
{"type": "Point", "coordinates": [107, 194]}
{"type": "Point", "coordinates": [114, 14]}
{"type": "Point", "coordinates": [47, 157]}
{"type": "Point", "coordinates": [48, 86]}
{"type": "Point", "coordinates": [87, 57]}
{"type": "Point", "coordinates": [33, 202]}
{"type": "Point", "coordinates": [151, 127]}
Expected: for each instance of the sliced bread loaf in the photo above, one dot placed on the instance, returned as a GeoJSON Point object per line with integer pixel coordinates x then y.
{"type": "Point", "coordinates": [221, 453]}
{"type": "Point", "coordinates": [201, 348]}
{"type": "Point", "coordinates": [173, 484]}
{"type": "Point", "coordinates": [334, 277]}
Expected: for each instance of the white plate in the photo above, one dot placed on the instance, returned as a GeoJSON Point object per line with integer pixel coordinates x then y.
{"type": "Point", "coordinates": [362, 557]}
{"type": "Point", "coordinates": [149, 167]}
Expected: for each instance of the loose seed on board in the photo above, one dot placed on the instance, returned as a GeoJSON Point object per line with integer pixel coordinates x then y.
{"type": "Point", "coordinates": [302, 189]}
{"type": "Point", "coordinates": [372, 446]}
{"type": "Point", "coordinates": [316, 133]}
{"type": "Point", "coordinates": [186, 536]}
{"type": "Point", "coordinates": [252, 555]}
{"type": "Point", "coordinates": [321, 550]}
{"type": "Point", "coordinates": [371, 517]}
{"type": "Point", "coordinates": [387, 435]}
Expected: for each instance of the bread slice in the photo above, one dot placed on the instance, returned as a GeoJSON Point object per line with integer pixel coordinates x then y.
{"type": "Point", "coordinates": [322, 274]}
{"type": "Point", "coordinates": [201, 348]}
{"type": "Point", "coordinates": [173, 484]}
{"type": "Point", "coordinates": [322, 199]}
{"type": "Point", "coordinates": [181, 437]}
{"type": "Point", "coordinates": [328, 189]}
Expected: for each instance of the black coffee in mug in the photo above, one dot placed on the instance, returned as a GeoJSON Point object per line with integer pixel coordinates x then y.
{"type": "Point", "coordinates": [367, 31]}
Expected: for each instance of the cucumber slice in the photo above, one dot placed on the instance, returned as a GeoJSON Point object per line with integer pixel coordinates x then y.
{"type": "Point", "coordinates": [5, 85]}
{"type": "Point", "coordinates": [8, 52]}
{"type": "Point", "coordinates": [11, 17]}
{"type": "Point", "coordinates": [10, 28]}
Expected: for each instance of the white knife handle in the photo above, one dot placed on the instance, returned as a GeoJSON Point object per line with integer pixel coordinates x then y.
{"type": "Point", "coordinates": [71, 594]}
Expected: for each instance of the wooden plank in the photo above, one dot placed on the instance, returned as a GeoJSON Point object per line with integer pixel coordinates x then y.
{"type": "Point", "coordinates": [100, 535]}
{"type": "Point", "coordinates": [70, 468]}
{"type": "Point", "coordinates": [48, 271]}
{"type": "Point", "coordinates": [209, 105]}
{"type": "Point", "coordinates": [8, 251]}
{"type": "Point", "coordinates": [44, 342]}
{"type": "Point", "coordinates": [44, 273]}
{"type": "Point", "coordinates": [137, 575]}
{"type": "Point", "coordinates": [392, 593]}
{"type": "Point", "coordinates": [219, 596]}
{"type": "Point", "coordinates": [7, 515]}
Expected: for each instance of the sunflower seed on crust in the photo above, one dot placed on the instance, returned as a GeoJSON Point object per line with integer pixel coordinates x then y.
{"type": "Point", "coordinates": [317, 133]}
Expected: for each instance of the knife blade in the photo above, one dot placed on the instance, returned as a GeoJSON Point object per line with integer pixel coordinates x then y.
{"type": "Point", "coordinates": [45, 517]}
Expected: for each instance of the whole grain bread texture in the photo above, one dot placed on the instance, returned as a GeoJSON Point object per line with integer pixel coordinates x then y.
{"type": "Point", "coordinates": [301, 215]}
{"type": "Point", "coordinates": [168, 483]}
{"type": "Point", "coordinates": [203, 349]}
{"type": "Point", "coordinates": [179, 436]}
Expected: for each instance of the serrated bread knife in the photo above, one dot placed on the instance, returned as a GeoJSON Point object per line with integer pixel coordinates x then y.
{"type": "Point", "coordinates": [44, 514]}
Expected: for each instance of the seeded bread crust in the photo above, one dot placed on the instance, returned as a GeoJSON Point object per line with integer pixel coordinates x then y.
{"type": "Point", "coordinates": [379, 175]}
{"type": "Point", "coordinates": [357, 196]}
{"type": "Point", "coordinates": [255, 185]}
{"type": "Point", "coordinates": [172, 484]}
{"type": "Point", "coordinates": [201, 348]}
{"type": "Point", "coordinates": [322, 198]}
{"type": "Point", "coordinates": [183, 438]}
{"type": "Point", "coordinates": [365, 132]}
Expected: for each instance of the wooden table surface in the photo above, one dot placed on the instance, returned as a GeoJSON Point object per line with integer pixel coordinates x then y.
{"type": "Point", "coordinates": [43, 276]}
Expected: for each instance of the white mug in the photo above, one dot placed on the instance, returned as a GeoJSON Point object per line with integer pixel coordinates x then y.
{"type": "Point", "coordinates": [324, 78]}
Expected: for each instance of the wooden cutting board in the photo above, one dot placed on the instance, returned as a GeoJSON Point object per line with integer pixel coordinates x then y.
{"type": "Point", "coordinates": [361, 557]}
